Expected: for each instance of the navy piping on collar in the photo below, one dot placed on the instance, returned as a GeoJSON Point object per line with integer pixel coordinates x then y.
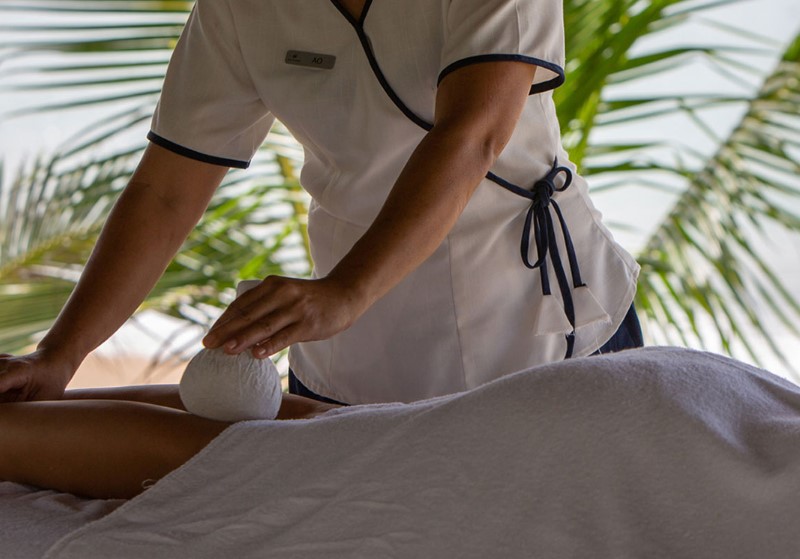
{"type": "Point", "coordinates": [196, 155]}
{"type": "Point", "coordinates": [362, 18]}
{"type": "Point", "coordinates": [376, 69]}
{"type": "Point", "coordinates": [535, 88]}
{"type": "Point", "coordinates": [538, 218]}
{"type": "Point", "coordinates": [366, 44]}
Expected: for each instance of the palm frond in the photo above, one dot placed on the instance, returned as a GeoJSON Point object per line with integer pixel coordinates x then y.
{"type": "Point", "coordinates": [702, 265]}
{"type": "Point", "coordinates": [600, 51]}
{"type": "Point", "coordinates": [52, 215]}
{"type": "Point", "coordinates": [102, 51]}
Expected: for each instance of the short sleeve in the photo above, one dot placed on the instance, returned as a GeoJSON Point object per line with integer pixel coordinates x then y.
{"type": "Point", "coordinates": [529, 31]}
{"type": "Point", "coordinates": [209, 108]}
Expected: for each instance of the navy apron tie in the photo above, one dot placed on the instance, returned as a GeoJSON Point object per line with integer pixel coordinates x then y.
{"type": "Point", "coordinates": [540, 219]}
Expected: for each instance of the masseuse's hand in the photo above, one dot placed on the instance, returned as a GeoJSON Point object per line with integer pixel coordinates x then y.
{"type": "Point", "coordinates": [282, 311]}
{"type": "Point", "coordinates": [36, 376]}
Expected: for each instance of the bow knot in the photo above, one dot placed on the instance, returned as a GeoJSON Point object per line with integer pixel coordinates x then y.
{"type": "Point", "coordinates": [539, 220]}
{"type": "Point", "coordinates": [544, 188]}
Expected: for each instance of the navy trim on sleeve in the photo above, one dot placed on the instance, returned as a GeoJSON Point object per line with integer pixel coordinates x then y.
{"type": "Point", "coordinates": [196, 155]}
{"type": "Point", "coordinates": [535, 88]}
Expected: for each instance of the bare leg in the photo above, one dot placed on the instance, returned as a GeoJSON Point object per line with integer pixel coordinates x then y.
{"type": "Point", "coordinates": [97, 448]}
{"type": "Point", "coordinates": [158, 394]}
{"type": "Point", "coordinates": [292, 406]}
{"type": "Point", "coordinates": [107, 442]}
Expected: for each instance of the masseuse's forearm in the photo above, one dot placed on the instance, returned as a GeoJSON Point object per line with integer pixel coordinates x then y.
{"type": "Point", "coordinates": [145, 229]}
{"type": "Point", "coordinates": [477, 108]}
{"type": "Point", "coordinates": [135, 246]}
{"type": "Point", "coordinates": [427, 199]}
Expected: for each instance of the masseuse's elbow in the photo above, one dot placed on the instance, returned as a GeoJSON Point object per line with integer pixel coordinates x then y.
{"type": "Point", "coordinates": [493, 144]}
{"type": "Point", "coordinates": [483, 144]}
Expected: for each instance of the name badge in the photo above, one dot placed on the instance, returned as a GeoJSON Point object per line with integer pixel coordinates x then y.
{"type": "Point", "coordinates": [310, 59]}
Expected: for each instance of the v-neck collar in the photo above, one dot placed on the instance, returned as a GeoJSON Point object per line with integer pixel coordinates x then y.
{"type": "Point", "coordinates": [353, 21]}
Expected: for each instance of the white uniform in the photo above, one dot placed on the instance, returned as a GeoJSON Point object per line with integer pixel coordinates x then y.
{"type": "Point", "coordinates": [473, 311]}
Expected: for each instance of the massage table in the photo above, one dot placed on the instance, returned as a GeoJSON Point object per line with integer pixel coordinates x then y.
{"type": "Point", "coordinates": [650, 453]}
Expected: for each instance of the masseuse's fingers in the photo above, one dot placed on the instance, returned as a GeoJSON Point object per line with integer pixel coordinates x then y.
{"type": "Point", "coordinates": [12, 385]}
{"type": "Point", "coordinates": [36, 376]}
{"type": "Point", "coordinates": [250, 307]}
{"type": "Point", "coordinates": [283, 338]}
{"type": "Point", "coordinates": [281, 311]}
{"type": "Point", "coordinates": [261, 329]}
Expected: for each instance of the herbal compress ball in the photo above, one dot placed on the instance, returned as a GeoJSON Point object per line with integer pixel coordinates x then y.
{"type": "Point", "coordinates": [226, 387]}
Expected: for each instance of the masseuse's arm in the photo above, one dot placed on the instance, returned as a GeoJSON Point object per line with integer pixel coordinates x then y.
{"type": "Point", "coordinates": [164, 200]}
{"type": "Point", "coordinates": [477, 109]}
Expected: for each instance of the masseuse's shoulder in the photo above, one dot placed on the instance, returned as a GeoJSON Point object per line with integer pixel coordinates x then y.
{"type": "Point", "coordinates": [211, 10]}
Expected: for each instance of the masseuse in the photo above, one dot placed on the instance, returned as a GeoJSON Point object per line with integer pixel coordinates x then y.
{"type": "Point", "coordinates": [453, 240]}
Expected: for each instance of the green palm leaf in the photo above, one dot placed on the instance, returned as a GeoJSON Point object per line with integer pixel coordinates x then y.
{"type": "Point", "coordinates": [51, 217]}
{"type": "Point", "coordinates": [703, 259]}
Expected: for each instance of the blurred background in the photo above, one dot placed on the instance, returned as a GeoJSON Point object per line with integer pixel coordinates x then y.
{"type": "Point", "coordinates": [683, 116]}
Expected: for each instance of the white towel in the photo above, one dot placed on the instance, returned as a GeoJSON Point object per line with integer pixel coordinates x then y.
{"type": "Point", "coordinates": [32, 520]}
{"type": "Point", "coordinates": [654, 453]}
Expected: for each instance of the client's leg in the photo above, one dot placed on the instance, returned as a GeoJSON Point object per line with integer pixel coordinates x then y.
{"type": "Point", "coordinates": [292, 406]}
{"type": "Point", "coordinates": [97, 448]}
{"type": "Point", "coordinates": [159, 394]}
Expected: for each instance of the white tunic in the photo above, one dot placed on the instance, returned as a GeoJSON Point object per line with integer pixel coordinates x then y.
{"type": "Point", "coordinates": [471, 312]}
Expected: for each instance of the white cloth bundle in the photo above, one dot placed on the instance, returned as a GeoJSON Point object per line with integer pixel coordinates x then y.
{"type": "Point", "coordinates": [231, 387]}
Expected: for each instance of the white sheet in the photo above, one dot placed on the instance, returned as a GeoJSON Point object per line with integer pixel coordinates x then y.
{"type": "Point", "coordinates": [650, 453]}
{"type": "Point", "coordinates": [32, 520]}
